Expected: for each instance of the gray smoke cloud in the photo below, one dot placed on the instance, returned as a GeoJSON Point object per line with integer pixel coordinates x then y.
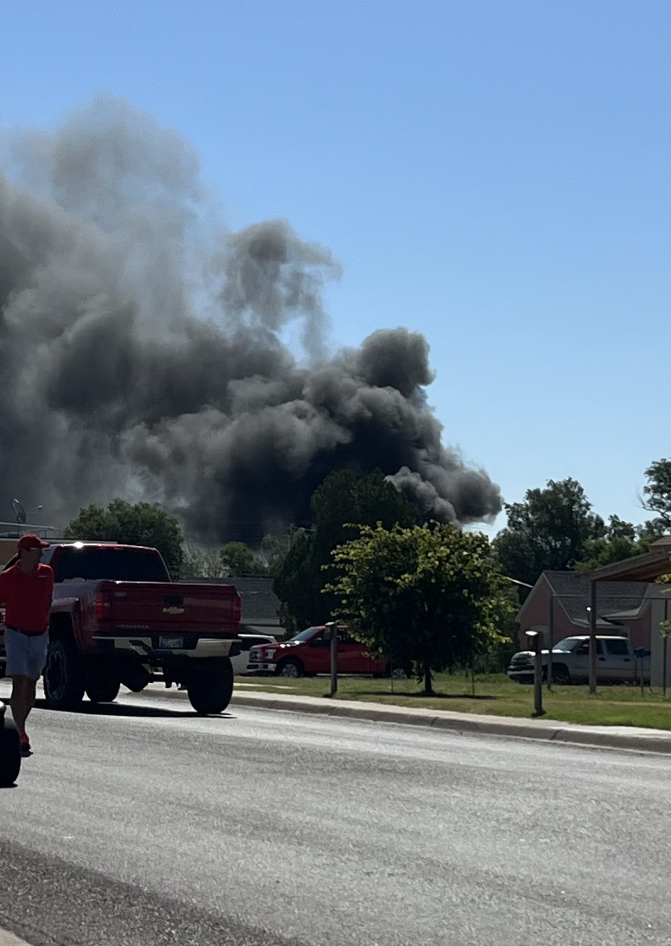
{"type": "Point", "coordinates": [143, 349]}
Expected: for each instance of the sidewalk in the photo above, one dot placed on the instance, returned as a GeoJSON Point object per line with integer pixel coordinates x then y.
{"type": "Point", "coordinates": [548, 730]}
{"type": "Point", "coordinates": [8, 939]}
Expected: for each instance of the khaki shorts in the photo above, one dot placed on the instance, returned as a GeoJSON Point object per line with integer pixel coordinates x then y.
{"type": "Point", "coordinates": [26, 653]}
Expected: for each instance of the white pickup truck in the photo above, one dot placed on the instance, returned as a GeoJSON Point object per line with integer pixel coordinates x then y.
{"type": "Point", "coordinates": [616, 662]}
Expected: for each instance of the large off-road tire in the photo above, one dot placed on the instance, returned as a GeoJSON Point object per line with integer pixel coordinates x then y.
{"type": "Point", "coordinates": [210, 688]}
{"type": "Point", "coordinates": [64, 676]}
{"type": "Point", "coordinates": [102, 689]}
{"type": "Point", "coordinates": [290, 667]}
{"type": "Point", "coordinates": [10, 752]}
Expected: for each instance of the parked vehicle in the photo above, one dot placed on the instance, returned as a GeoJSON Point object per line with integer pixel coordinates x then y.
{"type": "Point", "coordinates": [309, 653]}
{"type": "Point", "coordinates": [617, 662]}
{"type": "Point", "coordinates": [247, 641]}
{"type": "Point", "coordinates": [118, 618]}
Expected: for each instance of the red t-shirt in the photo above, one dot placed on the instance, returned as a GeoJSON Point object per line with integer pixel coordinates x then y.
{"type": "Point", "coordinates": [27, 598]}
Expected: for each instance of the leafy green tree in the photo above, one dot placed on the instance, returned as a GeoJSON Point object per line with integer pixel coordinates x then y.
{"type": "Point", "coordinates": [241, 561]}
{"type": "Point", "coordinates": [131, 524]}
{"type": "Point", "coordinates": [429, 597]}
{"type": "Point", "coordinates": [294, 584]}
{"type": "Point", "coordinates": [648, 532]}
{"type": "Point", "coordinates": [200, 562]}
{"type": "Point", "coordinates": [272, 552]}
{"type": "Point", "coordinates": [344, 502]}
{"type": "Point", "coordinates": [657, 491]}
{"type": "Point", "coordinates": [620, 541]}
{"type": "Point", "coordinates": [340, 506]}
{"type": "Point", "coordinates": [548, 530]}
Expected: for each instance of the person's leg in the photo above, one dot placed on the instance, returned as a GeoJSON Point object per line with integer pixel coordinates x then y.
{"type": "Point", "coordinates": [23, 697]}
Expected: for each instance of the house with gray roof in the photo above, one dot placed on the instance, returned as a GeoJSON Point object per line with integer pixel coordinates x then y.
{"type": "Point", "coordinates": [260, 606]}
{"type": "Point", "coordinates": [558, 607]}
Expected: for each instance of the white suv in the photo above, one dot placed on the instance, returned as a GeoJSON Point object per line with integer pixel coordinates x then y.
{"type": "Point", "coordinates": [241, 661]}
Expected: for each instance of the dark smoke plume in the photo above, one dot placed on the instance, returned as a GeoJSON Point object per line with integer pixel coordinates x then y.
{"type": "Point", "coordinates": [143, 350]}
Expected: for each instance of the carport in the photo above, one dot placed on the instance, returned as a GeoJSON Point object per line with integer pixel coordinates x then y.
{"type": "Point", "coordinates": [646, 567]}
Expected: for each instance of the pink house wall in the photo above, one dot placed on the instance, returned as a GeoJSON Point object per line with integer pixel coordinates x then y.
{"type": "Point", "coordinates": [537, 614]}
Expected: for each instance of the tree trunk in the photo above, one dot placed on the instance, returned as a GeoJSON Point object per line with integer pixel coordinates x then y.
{"type": "Point", "coordinates": [428, 680]}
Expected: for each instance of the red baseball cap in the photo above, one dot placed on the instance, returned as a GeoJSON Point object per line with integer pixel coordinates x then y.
{"type": "Point", "coordinates": [31, 542]}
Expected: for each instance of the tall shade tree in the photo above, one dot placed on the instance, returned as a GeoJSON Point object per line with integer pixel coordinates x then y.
{"type": "Point", "coordinates": [344, 502]}
{"type": "Point", "coordinates": [131, 524]}
{"type": "Point", "coordinates": [240, 561]}
{"type": "Point", "coordinates": [429, 597]}
{"type": "Point", "coordinates": [548, 530]}
{"type": "Point", "coordinates": [657, 491]}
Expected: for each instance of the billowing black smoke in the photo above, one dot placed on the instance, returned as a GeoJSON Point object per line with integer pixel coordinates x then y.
{"type": "Point", "coordinates": [142, 352]}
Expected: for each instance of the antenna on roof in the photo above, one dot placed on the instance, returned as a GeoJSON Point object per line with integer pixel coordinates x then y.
{"type": "Point", "coordinates": [19, 511]}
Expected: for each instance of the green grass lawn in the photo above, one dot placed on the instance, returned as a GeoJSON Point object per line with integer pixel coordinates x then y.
{"type": "Point", "coordinates": [491, 694]}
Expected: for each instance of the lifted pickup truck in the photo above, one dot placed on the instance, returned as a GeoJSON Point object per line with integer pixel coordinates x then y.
{"type": "Point", "coordinates": [616, 662]}
{"type": "Point", "coordinates": [118, 618]}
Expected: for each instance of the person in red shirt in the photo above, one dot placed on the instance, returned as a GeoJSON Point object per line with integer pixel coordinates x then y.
{"type": "Point", "coordinates": [26, 590]}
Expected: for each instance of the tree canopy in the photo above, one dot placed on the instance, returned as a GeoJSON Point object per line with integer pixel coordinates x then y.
{"type": "Point", "coordinates": [199, 562]}
{"type": "Point", "coordinates": [429, 597]}
{"type": "Point", "coordinates": [240, 561]}
{"type": "Point", "coordinates": [340, 506]}
{"type": "Point", "coordinates": [657, 491]}
{"type": "Point", "coordinates": [548, 530]}
{"type": "Point", "coordinates": [555, 528]}
{"type": "Point", "coordinates": [132, 524]}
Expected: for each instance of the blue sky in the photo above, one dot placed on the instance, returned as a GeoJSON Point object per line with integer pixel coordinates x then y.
{"type": "Point", "coordinates": [492, 174]}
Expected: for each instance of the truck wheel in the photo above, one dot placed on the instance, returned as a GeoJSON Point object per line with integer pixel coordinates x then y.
{"type": "Point", "coordinates": [560, 674]}
{"type": "Point", "coordinates": [210, 689]}
{"type": "Point", "coordinates": [10, 753]}
{"type": "Point", "coordinates": [63, 677]}
{"type": "Point", "coordinates": [290, 667]}
{"type": "Point", "coordinates": [102, 690]}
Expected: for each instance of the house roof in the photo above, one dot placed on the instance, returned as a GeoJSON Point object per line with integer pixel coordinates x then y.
{"type": "Point", "coordinates": [259, 603]}
{"type": "Point", "coordinates": [572, 591]}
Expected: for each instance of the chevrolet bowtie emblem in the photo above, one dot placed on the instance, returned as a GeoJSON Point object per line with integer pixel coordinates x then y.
{"type": "Point", "coordinates": [173, 610]}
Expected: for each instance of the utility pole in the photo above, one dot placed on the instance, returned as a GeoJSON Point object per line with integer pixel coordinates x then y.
{"type": "Point", "coordinates": [331, 633]}
{"type": "Point", "coordinates": [536, 639]}
{"type": "Point", "coordinates": [592, 637]}
{"type": "Point", "coordinates": [552, 638]}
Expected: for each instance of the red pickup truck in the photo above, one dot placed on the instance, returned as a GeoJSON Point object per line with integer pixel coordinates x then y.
{"type": "Point", "coordinates": [309, 653]}
{"type": "Point", "coordinates": [118, 618]}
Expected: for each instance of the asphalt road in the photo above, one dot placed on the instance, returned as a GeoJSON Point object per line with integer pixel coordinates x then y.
{"type": "Point", "coordinates": [144, 825]}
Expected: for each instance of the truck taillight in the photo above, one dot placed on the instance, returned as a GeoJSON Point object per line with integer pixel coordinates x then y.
{"type": "Point", "coordinates": [237, 609]}
{"type": "Point", "coordinates": [103, 605]}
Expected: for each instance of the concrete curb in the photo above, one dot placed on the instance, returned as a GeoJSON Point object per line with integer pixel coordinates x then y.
{"type": "Point", "coordinates": [609, 737]}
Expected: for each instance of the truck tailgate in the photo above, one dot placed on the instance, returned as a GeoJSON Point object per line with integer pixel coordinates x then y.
{"type": "Point", "coordinates": [175, 606]}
